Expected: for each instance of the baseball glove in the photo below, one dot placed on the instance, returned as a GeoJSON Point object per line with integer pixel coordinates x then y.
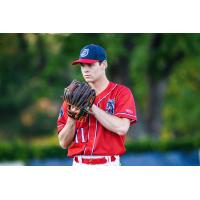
{"type": "Point", "coordinates": [81, 96]}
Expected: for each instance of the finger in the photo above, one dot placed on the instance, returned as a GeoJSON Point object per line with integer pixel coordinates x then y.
{"type": "Point", "coordinates": [75, 109]}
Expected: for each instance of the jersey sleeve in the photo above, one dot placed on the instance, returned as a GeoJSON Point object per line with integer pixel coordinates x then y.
{"type": "Point", "coordinates": [125, 105]}
{"type": "Point", "coordinates": [62, 117]}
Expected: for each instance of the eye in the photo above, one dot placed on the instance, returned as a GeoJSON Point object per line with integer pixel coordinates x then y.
{"type": "Point", "coordinates": [92, 65]}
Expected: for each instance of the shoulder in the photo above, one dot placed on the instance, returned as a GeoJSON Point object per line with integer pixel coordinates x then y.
{"type": "Point", "coordinates": [121, 92]}
{"type": "Point", "coordinates": [122, 89]}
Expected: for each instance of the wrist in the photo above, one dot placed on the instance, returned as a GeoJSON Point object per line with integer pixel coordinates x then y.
{"type": "Point", "coordinates": [93, 109]}
{"type": "Point", "coordinates": [71, 120]}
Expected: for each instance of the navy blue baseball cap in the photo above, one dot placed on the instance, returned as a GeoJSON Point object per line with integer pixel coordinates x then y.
{"type": "Point", "coordinates": [90, 54]}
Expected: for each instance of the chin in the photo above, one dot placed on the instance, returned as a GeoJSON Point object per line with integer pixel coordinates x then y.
{"type": "Point", "coordinates": [89, 80]}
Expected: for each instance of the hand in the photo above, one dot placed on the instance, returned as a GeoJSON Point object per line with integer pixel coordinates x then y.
{"type": "Point", "coordinates": [74, 109]}
{"type": "Point", "coordinates": [73, 112]}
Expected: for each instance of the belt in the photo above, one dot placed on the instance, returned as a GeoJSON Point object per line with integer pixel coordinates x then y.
{"type": "Point", "coordinates": [94, 161]}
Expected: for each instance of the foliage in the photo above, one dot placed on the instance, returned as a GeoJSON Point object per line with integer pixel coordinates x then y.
{"type": "Point", "coordinates": [25, 152]}
{"type": "Point", "coordinates": [34, 69]}
{"type": "Point", "coordinates": [184, 144]}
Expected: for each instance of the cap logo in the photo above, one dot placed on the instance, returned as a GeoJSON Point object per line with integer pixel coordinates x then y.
{"type": "Point", "coordinates": [84, 53]}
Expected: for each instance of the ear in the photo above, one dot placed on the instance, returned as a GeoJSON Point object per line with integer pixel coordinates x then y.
{"type": "Point", "coordinates": [105, 64]}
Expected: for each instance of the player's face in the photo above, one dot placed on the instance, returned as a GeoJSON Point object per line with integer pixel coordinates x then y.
{"type": "Point", "coordinates": [93, 72]}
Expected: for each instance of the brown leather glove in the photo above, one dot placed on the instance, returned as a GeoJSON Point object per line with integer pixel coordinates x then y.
{"type": "Point", "coordinates": [81, 96]}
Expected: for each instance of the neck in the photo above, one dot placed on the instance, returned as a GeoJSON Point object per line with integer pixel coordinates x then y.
{"type": "Point", "coordinates": [100, 84]}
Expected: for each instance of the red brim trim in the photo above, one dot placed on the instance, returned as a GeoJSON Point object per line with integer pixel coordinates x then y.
{"type": "Point", "coordinates": [86, 61]}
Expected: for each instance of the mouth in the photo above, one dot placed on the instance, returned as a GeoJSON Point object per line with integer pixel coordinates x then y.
{"type": "Point", "coordinates": [87, 76]}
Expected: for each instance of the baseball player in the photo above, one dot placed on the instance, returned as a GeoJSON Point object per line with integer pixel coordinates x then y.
{"type": "Point", "coordinates": [99, 137]}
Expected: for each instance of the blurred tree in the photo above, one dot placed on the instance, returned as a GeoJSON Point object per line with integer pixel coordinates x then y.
{"type": "Point", "coordinates": [182, 110]}
{"type": "Point", "coordinates": [34, 68]}
{"type": "Point", "coordinates": [164, 52]}
{"type": "Point", "coordinates": [23, 58]}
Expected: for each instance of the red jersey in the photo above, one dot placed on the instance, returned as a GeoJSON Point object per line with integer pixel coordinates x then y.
{"type": "Point", "coordinates": [91, 138]}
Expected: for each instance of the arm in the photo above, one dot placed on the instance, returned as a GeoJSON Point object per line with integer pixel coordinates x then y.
{"type": "Point", "coordinates": [115, 124]}
{"type": "Point", "coordinates": [67, 134]}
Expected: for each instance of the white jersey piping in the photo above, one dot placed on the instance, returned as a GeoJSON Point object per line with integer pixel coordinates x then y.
{"type": "Point", "coordinates": [82, 135]}
{"type": "Point", "coordinates": [126, 114]}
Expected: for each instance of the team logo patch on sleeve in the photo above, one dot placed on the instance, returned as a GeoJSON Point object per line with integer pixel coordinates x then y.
{"type": "Point", "coordinates": [61, 113]}
{"type": "Point", "coordinates": [110, 106]}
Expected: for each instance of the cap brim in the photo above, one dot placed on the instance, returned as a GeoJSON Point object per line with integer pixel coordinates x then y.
{"type": "Point", "coordinates": [86, 61]}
